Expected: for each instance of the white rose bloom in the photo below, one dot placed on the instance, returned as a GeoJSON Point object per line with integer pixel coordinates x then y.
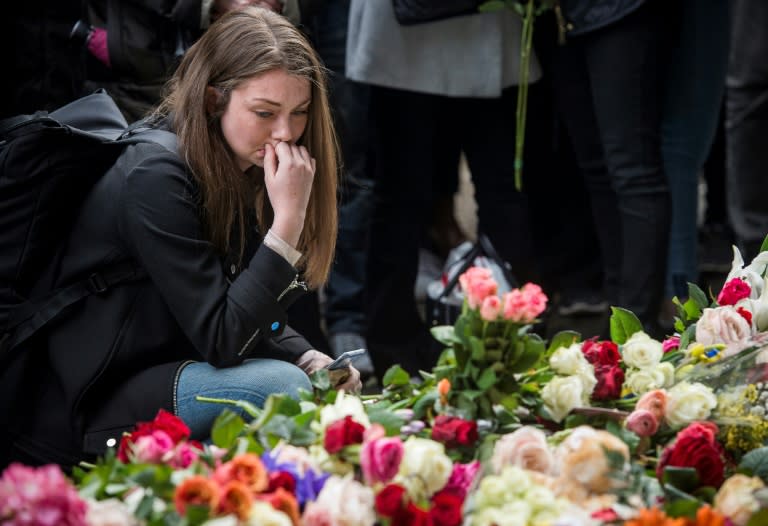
{"type": "Point", "coordinates": [568, 360]}
{"type": "Point", "coordinates": [586, 373]}
{"type": "Point", "coordinates": [540, 498]}
{"type": "Point", "coordinates": [562, 394]}
{"type": "Point", "coordinates": [641, 351]}
{"type": "Point", "coordinates": [345, 405]}
{"type": "Point", "coordinates": [517, 480]}
{"type": "Point", "coordinates": [109, 512]}
{"type": "Point", "coordinates": [227, 520]}
{"type": "Point", "coordinates": [425, 467]}
{"type": "Point", "coordinates": [722, 325]}
{"type": "Point", "coordinates": [517, 512]}
{"type": "Point", "coordinates": [688, 403]}
{"type": "Point", "coordinates": [492, 491]}
{"type": "Point", "coordinates": [751, 274]}
{"type": "Point", "coordinates": [263, 514]}
{"type": "Point", "coordinates": [640, 381]}
{"type": "Point", "coordinates": [497, 517]}
{"type": "Point", "coordinates": [347, 501]}
{"type": "Point", "coordinates": [758, 307]}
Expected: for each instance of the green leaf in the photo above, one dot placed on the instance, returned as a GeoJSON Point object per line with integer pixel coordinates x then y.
{"type": "Point", "coordinates": [626, 436]}
{"type": "Point", "coordinates": [391, 422]}
{"type": "Point", "coordinates": [487, 379]}
{"type": "Point", "coordinates": [682, 507]}
{"type": "Point", "coordinates": [759, 518]}
{"type": "Point", "coordinates": [445, 334]}
{"type": "Point", "coordinates": [623, 325]}
{"type": "Point", "coordinates": [396, 375]}
{"type": "Point", "coordinates": [226, 428]}
{"type": "Point", "coordinates": [562, 339]}
{"type": "Point", "coordinates": [478, 348]}
{"type": "Point", "coordinates": [692, 309]}
{"type": "Point", "coordinates": [764, 246]}
{"type": "Point", "coordinates": [697, 295]}
{"type": "Point", "coordinates": [756, 461]}
{"type": "Point", "coordinates": [688, 335]}
{"type": "Point", "coordinates": [491, 5]}
{"type": "Point", "coordinates": [424, 403]}
{"type": "Point", "coordinates": [321, 380]}
{"type": "Point", "coordinates": [684, 479]}
{"type": "Point", "coordinates": [533, 350]}
{"type": "Point", "coordinates": [196, 514]}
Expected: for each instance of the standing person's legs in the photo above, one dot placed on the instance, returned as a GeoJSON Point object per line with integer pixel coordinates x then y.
{"type": "Point", "coordinates": [746, 125]}
{"type": "Point", "coordinates": [404, 146]}
{"type": "Point", "coordinates": [694, 84]}
{"type": "Point", "coordinates": [623, 61]}
{"type": "Point", "coordinates": [252, 381]}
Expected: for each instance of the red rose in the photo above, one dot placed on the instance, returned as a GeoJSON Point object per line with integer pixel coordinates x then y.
{"type": "Point", "coordinates": [696, 447]}
{"type": "Point", "coordinates": [453, 431]}
{"type": "Point", "coordinates": [389, 500]}
{"type": "Point", "coordinates": [601, 353]}
{"type": "Point", "coordinates": [342, 433]}
{"type": "Point", "coordinates": [412, 515]}
{"type": "Point", "coordinates": [610, 378]}
{"type": "Point", "coordinates": [281, 479]}
{"type": "Point", "coordinates": [164, 421]}
{"type": "Point", "coordinates": [734, 291]}
{"type": "Point", "coordinates": [446, 509]}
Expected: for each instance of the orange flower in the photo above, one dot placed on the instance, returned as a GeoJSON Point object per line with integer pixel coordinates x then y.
{"type": "Point", "coordinates": [196, 491]}
{"type": "Point", "coordinates": [246, 468]}
{"type": "Point", "coordinates": [655, 517]}
{"type": "Point", "coordinates": [443, 388]}
{"type": "Point", "coordinates": [284, 501]}
{"type": "Point", "coordinates": [235, 498]}
{"type": "Point", "coordinates": [708, 516]}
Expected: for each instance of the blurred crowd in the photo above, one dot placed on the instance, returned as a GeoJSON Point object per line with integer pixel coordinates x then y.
{"type": "Point", "coordinates": [643, 143]}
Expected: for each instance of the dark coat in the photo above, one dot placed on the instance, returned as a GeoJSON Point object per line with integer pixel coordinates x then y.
{"type": "Point", "coordinates": [583, 16]}
{"type": "Point", "coordinates": [114, 358]}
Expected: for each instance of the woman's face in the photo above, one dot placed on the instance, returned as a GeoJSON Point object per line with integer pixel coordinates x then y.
{"type": "Point", "coordinates": [266, 109]}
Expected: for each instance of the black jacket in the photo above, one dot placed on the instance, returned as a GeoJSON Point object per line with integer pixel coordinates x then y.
{"type": "Point", "coordinates": [114, 358]}
{"type": "Point", "coordinates": [583, 16]}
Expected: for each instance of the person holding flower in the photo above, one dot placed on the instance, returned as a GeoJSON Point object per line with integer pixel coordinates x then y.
{"type": "Point", "coordinates": [224, 231]}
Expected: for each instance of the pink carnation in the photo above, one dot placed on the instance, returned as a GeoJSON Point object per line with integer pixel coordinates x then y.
{"type": "Point", "coordinates": [39, 497]}
{"type": "Point", "coordinates": [670, 344]}
{"type": "Point", "coordinates": [734, 291]}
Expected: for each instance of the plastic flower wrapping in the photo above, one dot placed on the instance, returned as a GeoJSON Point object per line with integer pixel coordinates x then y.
{"type": "Point", "coordinates": [506, 429]}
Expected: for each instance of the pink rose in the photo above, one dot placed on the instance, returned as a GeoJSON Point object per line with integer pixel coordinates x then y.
{"type": "Point", "coordinates": [670, 344]}
{"type": "Point", "coordinates": [184, 455]}
{"type": "Point", "coordinates": [527, 448]}
{"type": "Point", "coordinates": [723, 325]}
{"type": "Point", "coordinates": [514, 305]}
{"type": "Point", "coordinates": [462, 478]}
{"type": "Point", "coordinates": [655, 402]}
{"type": "Point", "coordinates": [491, 308]}
{"type": "Point", "coordinates": [151, 448]}
{"type": "Point", "coordinates": [39, 496]}
{"type": "Point", "coordinates": [477, 284]}
{"type": "Point", "coordinates": [380, 457]}
{"type": "Point", "coordinates": [642, 423]}
{"type": "Point", "coordinates": [734, 291]}
{"type": "Point", "coordinates": [317, 515]}
{"type": "Point", "coordinates": [535, 299]}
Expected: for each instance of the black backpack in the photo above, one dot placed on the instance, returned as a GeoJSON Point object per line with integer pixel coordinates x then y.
{"type": "Point", "coordinates": [48, 163]}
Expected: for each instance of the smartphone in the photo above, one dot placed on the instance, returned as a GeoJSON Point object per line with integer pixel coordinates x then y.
{"type": "Point", "coordinates": [344, 360]}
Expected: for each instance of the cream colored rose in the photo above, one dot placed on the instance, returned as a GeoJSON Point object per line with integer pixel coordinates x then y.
{"type": "Point", "coordinates": [263, 514]}
{"type": "Point", "coordinates": [568, 360]}
{"type": "Point", "coordinates": [425, 467]}
{"type": "Point", "coordinates": [641, 351]}
{"type": "Point", "coordinates": [527, 448]}
{"type": "Point", "coordinates": [345, 405]}
{"type": "Point", "coordinates": [540, 499]}
{"type": "Point", "coordinates": [497, 517]}
{"type": "Point", "coordinates": [582, 458]}
{"type": "Point", "coordinates": [735, 498]}
{"type": "Point", "coordinates": [586, 373]}
{"type": "Point", "coordinates": [109, 512]}
{"type": "Point", "coordinates": [688, 403]}
{"type": "Point", "coordinates": [493, 491]}
{"type": "Point", "coordinates": [346, 502]}
{"type": "Point", "coordinates": [640, 381]}
{"type": "Point", "coordinates": [562, 394]}
{"type": "Point", "coordinates": [722, 325]}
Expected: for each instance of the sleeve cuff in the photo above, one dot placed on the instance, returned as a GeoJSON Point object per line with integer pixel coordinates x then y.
{"type": "Point", "coordinates": [290, 254]}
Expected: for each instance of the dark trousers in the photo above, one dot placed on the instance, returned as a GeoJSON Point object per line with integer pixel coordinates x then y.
{"type": "Point", "coordinates": [746, 124]}
{"type": "Point", "coordinates": [410, 133]}
{"type": "Point", "coordinates": [608, 92]}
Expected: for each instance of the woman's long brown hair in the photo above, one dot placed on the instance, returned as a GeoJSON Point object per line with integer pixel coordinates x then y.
{"type": "Point", "coordinates": [238, 47]}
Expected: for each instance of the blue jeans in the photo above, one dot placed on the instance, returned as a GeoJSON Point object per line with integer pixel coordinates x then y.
{"type": "Point", "coordinates": [695, 82]}
{"type": "Point", "coordinates": [252, 381]}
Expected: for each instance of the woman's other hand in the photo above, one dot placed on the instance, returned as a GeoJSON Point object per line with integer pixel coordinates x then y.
{"type": "Point", "coordinates": [347, 379]}
{"type": "Point", "coordinates": [288, 174]}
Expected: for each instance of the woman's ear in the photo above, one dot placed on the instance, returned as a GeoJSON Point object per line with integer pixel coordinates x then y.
{"type": "Point", "coordinates": [212, 97]}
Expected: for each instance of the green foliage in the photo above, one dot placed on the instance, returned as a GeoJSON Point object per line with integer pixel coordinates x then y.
{"type": "Point", "coordinates": [623, 325]}
{"type": "Point", "coordinates": [756, 463]}
{"type": "Point", "coordinates": [226, 428]}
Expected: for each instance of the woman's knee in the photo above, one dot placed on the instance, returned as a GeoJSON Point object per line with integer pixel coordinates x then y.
{"type": "Point", "coordinates": [286, 378]}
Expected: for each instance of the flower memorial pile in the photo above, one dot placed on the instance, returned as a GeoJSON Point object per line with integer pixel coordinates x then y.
{"type": "Point", "coordinates": [507, 429]}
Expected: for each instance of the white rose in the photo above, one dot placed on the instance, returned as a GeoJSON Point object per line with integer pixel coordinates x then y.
{"type": "Point", "coordinates": [497, 517]}
{"type": "Point", "coordinates": [345, 405]}
{"type": "Point", "coordinates": [562, 394]}
{"type": "Point", "coordinates": [568, 360]}
{"type": "Point", "coordinates": [586, 373]}
{"type": "Point", "coordinates": [641, 351]}
{"type": "Point", "coordinates": [540, 498]}
{"type": "Point", "coordinates": [640, 381]}
{"type": "Point", "coordinates": [517, 480]}
{"type": "Point", "coordinates": [110, 512]}
{"type": "Point", "coordinates": [688, 403]}
{"type": "Point", "coordinates": [758, 307]}
{"type": "Point", "coordinates": [347, 502]}
{"type": "Point", "coordinates": [425, 467]}
{"type": "Point", "coordinates": [263, 514]}
{"type": "Point", "coordinates": [735, 498]}
{"type": "Point", "coordinates": [516, 512]}
{"type": "Point", "coordinates": [722, 325]}
{"type": "Point", "coordinates": [526, 447]}
{"type": "Point", "coordinates": [492, 491]}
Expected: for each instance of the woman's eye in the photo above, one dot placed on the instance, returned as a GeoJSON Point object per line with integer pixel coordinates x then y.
{"type": "Point", "coordinates": [301, 112]}
{"type": "Point", "coordinates": [264, 114]}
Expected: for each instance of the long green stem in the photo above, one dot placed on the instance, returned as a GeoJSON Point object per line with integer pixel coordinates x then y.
{"type": "Point", "coordinates": [521, 113]}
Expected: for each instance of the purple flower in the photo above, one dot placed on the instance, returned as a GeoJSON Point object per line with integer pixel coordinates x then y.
{"type": "Point", "coordinates": [309, 482]}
